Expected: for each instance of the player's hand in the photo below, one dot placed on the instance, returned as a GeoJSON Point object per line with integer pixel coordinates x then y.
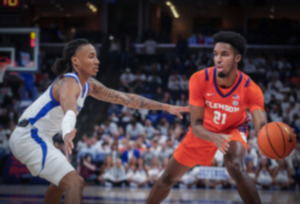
{"type": "Point", "coordinates": [68, 142]}
{"type": "Point", "coordinates": [177, 110]}
{"type": "Point", "coordinates": [221, 141]}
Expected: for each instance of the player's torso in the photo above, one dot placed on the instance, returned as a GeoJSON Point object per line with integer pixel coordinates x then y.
{"type": "Point", "coordinates": [225, 108]}
{"type": "Point", "coordinates": [46, 113]}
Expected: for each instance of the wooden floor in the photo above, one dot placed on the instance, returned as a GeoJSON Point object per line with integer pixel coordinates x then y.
{"type": "Point", "coordinates": [29, 194]}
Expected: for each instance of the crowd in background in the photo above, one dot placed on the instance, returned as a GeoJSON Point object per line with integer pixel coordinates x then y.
{"type": "Point", "coordinates": [132, 147]}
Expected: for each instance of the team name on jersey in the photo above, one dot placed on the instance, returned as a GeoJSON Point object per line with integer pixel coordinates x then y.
{"type": "Point", "coordinates": [224, 107]}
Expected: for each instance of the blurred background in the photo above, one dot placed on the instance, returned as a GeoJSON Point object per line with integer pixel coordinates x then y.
{"type": "Point", "coordinates": [148, 47]}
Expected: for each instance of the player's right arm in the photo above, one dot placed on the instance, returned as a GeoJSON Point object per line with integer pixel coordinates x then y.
{"type": "Point", "coordinates": [197, 117]}
{"type": "Point", "coordinates": [197, 103]}
{"type": "Point", "coordinates": [66, 92]}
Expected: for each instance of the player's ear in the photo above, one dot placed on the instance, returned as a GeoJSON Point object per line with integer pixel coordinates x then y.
{"type": "Point", "coordinates": [238, 58]}
{"type": "Point", "coordinates": [74, 61]}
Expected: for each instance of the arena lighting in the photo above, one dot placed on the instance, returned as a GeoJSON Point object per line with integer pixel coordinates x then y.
{"type": "Point", "coordinates": [173, 9]}
{"type": "Point", "coordinates": [92, 7]}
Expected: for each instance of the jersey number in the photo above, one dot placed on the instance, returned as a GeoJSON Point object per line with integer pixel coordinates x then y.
{"type": "Point", "coordinates": [218, 117]}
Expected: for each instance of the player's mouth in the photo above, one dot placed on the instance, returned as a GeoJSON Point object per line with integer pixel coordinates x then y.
{"type": "Point", "coordinates": [220, 68]}
{"type": "Point", "coordinates": [96, 69]}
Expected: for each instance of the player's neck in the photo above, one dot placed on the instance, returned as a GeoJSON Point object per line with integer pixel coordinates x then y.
{"type": "Point", "coordinates": [83, 78]}
{"type": "Point", "coordinates": [227, 81]}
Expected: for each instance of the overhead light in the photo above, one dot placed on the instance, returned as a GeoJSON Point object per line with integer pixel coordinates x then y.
{"type": "Point", "coordinates": [111, 37]}
{"type": "Point", "coordinates": [92, 7]}
{"type": "Point", "coordinates": [173, 9]}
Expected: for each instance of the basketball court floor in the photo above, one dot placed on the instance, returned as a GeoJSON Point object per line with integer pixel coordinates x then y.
{"type": "Point", "coordinates": [27, 194]}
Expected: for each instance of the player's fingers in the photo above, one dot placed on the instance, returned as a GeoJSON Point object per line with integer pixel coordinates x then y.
{"type": "Point", "coordinates": [227, 137]}
{"type": "Point", "coordinates": [72, 145]}
{"type": "Point", "coordinates": [179, 115]}
{"type": "Point", "coordinates": [184, 109]}
{"type": "Point", "coordinates": [66, 153]}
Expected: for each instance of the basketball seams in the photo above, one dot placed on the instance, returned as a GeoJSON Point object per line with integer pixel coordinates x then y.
{"type": "Point", "coordinates": [261, 149]}
{"type": "Point", "coordinates": [283, 138]}
{"type": "Point", "coordinates": [267, 133]}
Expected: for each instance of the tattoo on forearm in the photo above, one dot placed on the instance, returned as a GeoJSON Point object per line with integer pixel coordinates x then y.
{"type": "Point", "coordinates": [130, 100]}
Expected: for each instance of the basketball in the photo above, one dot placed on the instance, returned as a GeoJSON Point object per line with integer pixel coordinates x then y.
{"type": "Point", "coordinates": [276, 140]}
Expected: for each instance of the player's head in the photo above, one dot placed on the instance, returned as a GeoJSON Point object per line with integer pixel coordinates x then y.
{"type": "Point", "coordinates": [229, 49]}
{"type": "Point", "coordinates": [78, 55]}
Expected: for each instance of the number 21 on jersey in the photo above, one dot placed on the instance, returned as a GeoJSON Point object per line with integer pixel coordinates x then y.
{"type": "Point", "coordinates": [219, 118]}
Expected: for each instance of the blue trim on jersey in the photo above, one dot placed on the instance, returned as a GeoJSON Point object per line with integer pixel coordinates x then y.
{"type": "Point", "coordinates": [88, 88]}
{"type": "Point", "coordinates": [232, 90]}
{"type": "Point", "coordinates": [72, 76]}
{"type": "Point", "coordinates": [51, 95]}
{"type": "Point", "coordinates": [248, 82]}
{"type": "Point", "coordinates": [44, 110]}
{"type": "Point", "coordinates": [35, 136]}
{"type": "Point", "coordinates": [83, 92]}
{"type": "Point", "coordinates": [206, 74]}
{"type": "Point", "coordinates": [79, 108]}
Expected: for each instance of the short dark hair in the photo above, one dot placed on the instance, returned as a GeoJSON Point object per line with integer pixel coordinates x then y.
{"type": "Point", "coordinates": [236, 40]}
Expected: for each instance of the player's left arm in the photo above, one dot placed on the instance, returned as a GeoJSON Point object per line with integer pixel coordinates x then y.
{"type": "Point", "coordinates": [101, 92]}
{"type": "Point", "coordinates": [259, 119]}
{"type": "Point", "coordinates": [256, 105]}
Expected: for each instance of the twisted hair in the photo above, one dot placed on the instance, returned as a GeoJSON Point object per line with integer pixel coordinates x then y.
{"type": "Point", "coordinates": [64, 64]}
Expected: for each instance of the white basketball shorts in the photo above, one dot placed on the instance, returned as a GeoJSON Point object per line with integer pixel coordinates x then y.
{"type": "Point", "coordinates": [39, 154]}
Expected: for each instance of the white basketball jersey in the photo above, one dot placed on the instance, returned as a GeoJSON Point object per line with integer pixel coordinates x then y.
{"type": "Point", "coordinates": [46, 114]}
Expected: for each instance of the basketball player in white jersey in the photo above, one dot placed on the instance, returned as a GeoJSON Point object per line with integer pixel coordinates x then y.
{"type": "Point", "coordinates": [56, 110]}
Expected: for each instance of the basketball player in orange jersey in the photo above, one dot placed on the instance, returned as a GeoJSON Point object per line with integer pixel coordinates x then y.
{"type": "Point", "coordinates": [219, 97]}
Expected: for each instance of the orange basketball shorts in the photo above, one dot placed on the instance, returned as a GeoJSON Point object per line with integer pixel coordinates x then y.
{"type": "Point", "coordinates": [193, 150]}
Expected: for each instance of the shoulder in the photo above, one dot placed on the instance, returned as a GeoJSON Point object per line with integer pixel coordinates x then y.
{"type": "Point", "coordinates": [203, 74]}
{"type": "Point", "coordinates": [66, 82]}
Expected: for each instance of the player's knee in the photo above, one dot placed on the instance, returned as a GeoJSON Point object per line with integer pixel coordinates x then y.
{"type": "Point", "coordinates": [234, 166]}
{"type": "Point", "coordinates": [71, 182]}
{"type": "Point", "coordinates": [167, 180]}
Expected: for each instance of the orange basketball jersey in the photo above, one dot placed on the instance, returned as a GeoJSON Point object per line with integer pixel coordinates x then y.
{"type": "Point", "coordinates": [224, 109]}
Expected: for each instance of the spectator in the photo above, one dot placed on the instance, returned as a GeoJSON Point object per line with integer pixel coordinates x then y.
{"type": "Point", "coordinates": [81, 142]}
{"type": "Point", "coordinates": [165, 152]}
{"type": "Point", "coordinates": [263, 174]}
{"type": "Point", "coordinates": [150, 46]}
{"type": "Point", "coordinates": [87, 169]}
{"type": "Point", "coordinates": [130, 152]}
{"type": "Point", "coordinates": [294, 163]}
{"type": "Point", "coordinates": [250, 169]}
{"type": "Point", "coordinates": [117, 174]}
{"type": "Point", "coordinates": [251, 154]}
{"type": "Point", "coordinates": [153, 171]}
{"type": "Point", "coordinates": [106, 171]}
{"type": "Point", "coordinates": [148, 155]}
{"type": "Point", "coordinates": [137, 175]}
{"type": "Point", "coordinates": [115, 153]}
{"type": "Point", "coordinates": [156, 148]}
{"type": "Point", "coordinates": [282, 175]}
{"type": "Point", "coordinates": [126, 79]}
{"type": "Point", "coordinates": [134, 129]}
{"type": "Point", "coordinates": [149, 129]}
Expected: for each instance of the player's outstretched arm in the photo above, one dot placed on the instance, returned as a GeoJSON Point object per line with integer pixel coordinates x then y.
{"type": "Point", "coordinates": [197, 117]}
{"type": "Point", "coordinates": [259, 119]}
{"type": "Point", "coordinates": [101, 92]}
{"type": "Point", "coordinates": [66, 91]}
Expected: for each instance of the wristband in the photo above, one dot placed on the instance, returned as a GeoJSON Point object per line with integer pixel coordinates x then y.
{"type": "Point", "coordinates": [68, 123]}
